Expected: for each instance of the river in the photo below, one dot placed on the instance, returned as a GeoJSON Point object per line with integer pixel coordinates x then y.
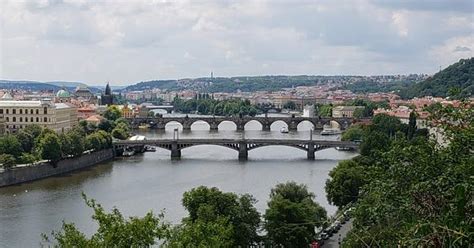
{"type": "Point", "coordinates": [151, 181]}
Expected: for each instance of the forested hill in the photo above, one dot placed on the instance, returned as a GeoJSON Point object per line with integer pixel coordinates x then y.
{"type": "Point", "coordinates": [457, 78]}
{"type": "Point", "coordinates": [263, 83]}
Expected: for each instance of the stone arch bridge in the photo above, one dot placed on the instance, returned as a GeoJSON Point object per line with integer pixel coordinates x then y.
{"type": "Point", "coordinates": [266, 122]}
{"type": "Point", "coordinates": [242, 146]}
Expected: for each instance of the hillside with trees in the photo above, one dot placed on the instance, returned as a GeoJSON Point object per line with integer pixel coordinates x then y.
{"type": "Point", "coordinates": [456, 79]}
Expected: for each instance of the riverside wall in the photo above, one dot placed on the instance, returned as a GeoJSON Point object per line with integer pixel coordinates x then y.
{"type": "Point", "coordinates": [35, 172]}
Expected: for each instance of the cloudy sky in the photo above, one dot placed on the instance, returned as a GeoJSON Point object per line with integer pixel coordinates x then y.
{"type": "Point", "coordinates": [128, 41]}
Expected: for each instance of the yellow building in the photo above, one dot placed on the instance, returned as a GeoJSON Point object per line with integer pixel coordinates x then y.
{"type": "Point", "coordinates": [19, 114]}
{"type": "Point", "coordinates": [128, 112]}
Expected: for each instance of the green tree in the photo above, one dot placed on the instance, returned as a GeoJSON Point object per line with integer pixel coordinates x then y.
{"type": "Point", "coordinates": [121, 131]}
{"type": "Point", "coordinates": [359, 113]}
{"type": "Point", "coordinates": [112, 113]}
{"type": "Point", "coordinates": [210, 205]}
{"type": "Point", "coordinates": [292, 215]}
{"type": "Point", "coordinates": [355, 132]}
{"type": "Point", "coordinates": [106, 125]}
{"type": "Point", "coordinates": [9, 144]}
{"type": "Point", "coordinates": [50, 147]}
{"type": "Point", "coordinates": [7, 161]}
{"type": "Point", "coordinates": [27, 158]}
{"type": "Point", "coordinates": [324, 110]}
{"type": "Point", "coordinates": [345, 182]}
{"type": "Point", "coordinates": [114, 230]}
{"type": "Point", "coordinates": [28, 135]}
{"type": "Point", "coordinates": [77, 138]}
{"type": "Point", "coordinates": [216, 233]}
{"type": "Point", "coordinates": [411, 125]}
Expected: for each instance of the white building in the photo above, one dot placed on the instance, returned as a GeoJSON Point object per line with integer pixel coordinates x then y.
{"type": "Point", "coordinates": [308, 111]}
{"type": "Point", "coordinates": [15, 115]}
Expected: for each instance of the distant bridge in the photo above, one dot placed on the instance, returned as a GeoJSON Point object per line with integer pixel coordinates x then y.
{"type": "Point", "coordinates": [240, 145]}
{"type": "Point", "coordinates": [168, 108]}
{"type": "Point", "coordinates": [266, 122]}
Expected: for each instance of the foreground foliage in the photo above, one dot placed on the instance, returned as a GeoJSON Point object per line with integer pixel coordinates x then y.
{"type": "Point", "coordinates": [292, 215]}
{"type": "Point", "coordinates": [114, 230]}
{"type": "Point", "coordinates": [407, 189]}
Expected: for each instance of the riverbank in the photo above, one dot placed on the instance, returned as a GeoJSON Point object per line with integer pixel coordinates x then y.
{"type": "Point", "coordinates": [24, 174]}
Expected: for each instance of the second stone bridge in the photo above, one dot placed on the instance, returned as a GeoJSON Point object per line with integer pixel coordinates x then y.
{"type": "Point", "coordinates": [242, 146]}
{"type": "Point", "coordinates": [292, 122]}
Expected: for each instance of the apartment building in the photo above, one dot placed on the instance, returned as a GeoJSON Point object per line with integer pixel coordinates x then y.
{"type": "Point", "coordinates": [15, 115]}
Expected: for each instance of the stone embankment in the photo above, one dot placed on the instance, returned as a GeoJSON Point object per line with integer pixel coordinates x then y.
{"type": "Point", "coordinates": [34, 172]}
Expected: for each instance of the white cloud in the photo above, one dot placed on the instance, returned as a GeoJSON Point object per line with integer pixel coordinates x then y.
{"type": "Point", "coordinates": [130, 41]}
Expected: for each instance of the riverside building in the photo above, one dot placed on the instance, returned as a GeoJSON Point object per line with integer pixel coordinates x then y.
{"type": "Point", "coordinates": [15, 115]}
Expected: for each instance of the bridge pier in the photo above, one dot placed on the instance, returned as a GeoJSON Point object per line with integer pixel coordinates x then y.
{"type": "Point", "coordinates": [243, 151]}
{"type": "Point", "coordinates": [310, 153]}
{"type": "Point", "coordinates": [292, 126]}
{"type": "Point", "coordinates": [160, 126]}
{"type": "Point", "coordinates": [186, 126]}
{"type": "Point", "coordinates": [214, 126]}
{"type": "Point", "coordinates": [240, 126]}
{"type": "Point", "coordinates": [266, 126]}
{"type": "Point", "coordinates": [175, 151]}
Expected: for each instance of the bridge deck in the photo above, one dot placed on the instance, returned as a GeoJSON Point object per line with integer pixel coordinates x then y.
{"type": "Point", "coordinates": [227, 141]}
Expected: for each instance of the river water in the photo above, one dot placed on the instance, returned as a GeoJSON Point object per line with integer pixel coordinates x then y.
{"type": "Point", "coordinates": [151, 181]}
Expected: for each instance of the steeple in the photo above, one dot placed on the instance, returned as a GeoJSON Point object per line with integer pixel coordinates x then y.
{"type": "Point", "coordinates": [107, 90]}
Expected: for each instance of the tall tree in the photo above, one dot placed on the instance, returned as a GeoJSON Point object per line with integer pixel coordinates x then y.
{"type": "Point", "coordinates": [210, 205]}
{"type": "Point", "coordinates": [411, 125]}
{"type": "Point", "coordinates": [292, 215]}
{"type": "Point", "coordinates": [50, 147]}
{"type": "Point", "coordinates": [9, 144]}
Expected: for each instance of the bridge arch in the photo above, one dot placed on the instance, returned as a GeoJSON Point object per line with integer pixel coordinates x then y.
{"type": "Point", "coordinates": [253, 125]}
{"type": "Point", "coordinates": [171, 125]}
{"type": "Point", "coordinates": [227, 125]}
{"type": "Point", "coordinates": [278, 124]}
{"type": "Point", "coordinates": [305, 125]}
{"type": "Point", "coordinates": [332, 124]}
{"type": "Point", "coordinates": [200, 125]}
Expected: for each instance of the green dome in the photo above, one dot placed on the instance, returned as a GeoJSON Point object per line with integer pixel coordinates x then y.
{"type": "Point", "coordinates": [63, 94]}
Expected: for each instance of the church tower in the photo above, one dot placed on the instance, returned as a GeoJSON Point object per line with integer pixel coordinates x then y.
{"type": "Point", "coordinates": [107, 98]}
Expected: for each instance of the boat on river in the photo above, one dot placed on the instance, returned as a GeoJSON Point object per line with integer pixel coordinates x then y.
{"type": "Point", "coordinates": [128, 153]}
{"type": "Point", "coordinates": [331, 131]}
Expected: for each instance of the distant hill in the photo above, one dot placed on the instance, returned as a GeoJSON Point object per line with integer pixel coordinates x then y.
{"type": "Point", "coordinates": [27, 85]}
{"type": "Point", "coordinates": [458, 77]}
{"type": "Point", "coordinates": [241, 83]}
{"type": "Point", "coordinates": [39, 86]}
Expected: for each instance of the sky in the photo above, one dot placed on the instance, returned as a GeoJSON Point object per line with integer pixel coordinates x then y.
{"type": "Point", "coordinates": [125, 42]}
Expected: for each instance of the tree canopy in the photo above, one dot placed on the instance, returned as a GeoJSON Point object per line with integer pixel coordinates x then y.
{"type": "Point", "coordinates": [292, 215]}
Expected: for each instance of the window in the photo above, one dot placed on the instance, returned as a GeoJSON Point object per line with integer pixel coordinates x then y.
{"type": "Point", "coordinates": [37, 119]}
{"type": "Point", "coordinates": [21, 119]}
{"type": "Point", "coordinates": [45, 119]}
{"type": "Point", "coordinates": [14, 119]}
{"type": "Point", "coordinates": [37, 111]}
{"type": "Point", "coordinates": [31, 111]}
{"type": "Point", "coordinates": [8, 118]}
{"type": "Point", "coordinates": [45, 110]}
{"type": "Point", "coordinates": [8, 111]}
{"type": "Point", "coordinates": [31, 119]}
{"type": "Point", "coordinates": [14, 111]}
{"type": "Point", "coordinates": [21, 111]}
{"type": "Point", "coordinates": [26, 119]}
{"type": "Point", "coordinates": [1, 111]}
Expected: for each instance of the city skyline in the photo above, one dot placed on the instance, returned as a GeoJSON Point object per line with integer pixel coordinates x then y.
{"type": "Point", "coordinates": [129, 42]}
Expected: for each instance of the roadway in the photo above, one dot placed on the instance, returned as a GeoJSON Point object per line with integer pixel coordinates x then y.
{"type": "Point", "coordinates": [336, 239]}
